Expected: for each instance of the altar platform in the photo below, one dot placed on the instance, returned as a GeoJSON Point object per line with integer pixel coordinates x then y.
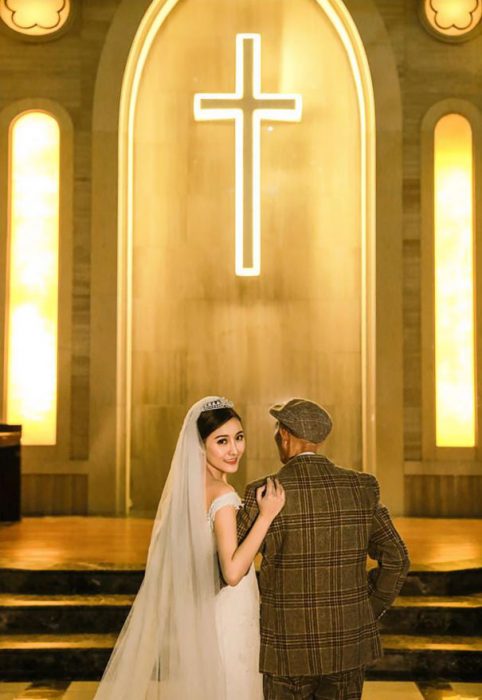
{"type": "Point", "coordinates": [67, 584]}
{"type": "Point", "coordinates": [434, 544]}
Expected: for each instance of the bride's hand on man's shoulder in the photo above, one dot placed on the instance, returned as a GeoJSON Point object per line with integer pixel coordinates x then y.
{"type": "Point", "coordinates": [270, 498]}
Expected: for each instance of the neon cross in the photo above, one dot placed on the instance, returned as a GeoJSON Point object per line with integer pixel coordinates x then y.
{"type": "Point", "coordinates": [248, 106]}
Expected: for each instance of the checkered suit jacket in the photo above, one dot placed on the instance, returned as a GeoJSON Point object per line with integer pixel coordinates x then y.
{"type": "Point", "coordinates": [319, 608]}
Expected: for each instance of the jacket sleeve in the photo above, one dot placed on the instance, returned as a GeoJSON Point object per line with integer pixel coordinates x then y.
{"type": "Point", "coordinates": [248, 512]}
{"type": "Point", "coordinates": [388, 549]}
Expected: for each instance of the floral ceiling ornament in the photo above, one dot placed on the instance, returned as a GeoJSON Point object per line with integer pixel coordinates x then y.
{"type": "Point", "coordinates": [453, 18]}
{"type": "Point", "coordinates": [459, 14]}
{"type": "Point", "coordinates": [35, 17]}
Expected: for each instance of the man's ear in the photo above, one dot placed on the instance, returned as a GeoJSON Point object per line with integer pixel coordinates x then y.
{"type": "Point", "coordinates": [283, 432]}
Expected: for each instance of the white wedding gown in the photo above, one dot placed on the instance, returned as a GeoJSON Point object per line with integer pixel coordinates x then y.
{"type": "Point", "coordinates": [237, 621]}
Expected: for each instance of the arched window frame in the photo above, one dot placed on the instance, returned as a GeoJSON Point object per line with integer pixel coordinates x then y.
{"type": "Point", "coordinates": [435, 458]}
{"type": "Point", "coordinates": [40, 455]}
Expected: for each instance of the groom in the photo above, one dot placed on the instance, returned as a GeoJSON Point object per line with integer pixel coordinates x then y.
{"type": "Point", "coordinates": [319, 608]}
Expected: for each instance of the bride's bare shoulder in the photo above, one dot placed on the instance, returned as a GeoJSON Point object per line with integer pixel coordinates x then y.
{"type": "Point", "coordinates": [216, 489]}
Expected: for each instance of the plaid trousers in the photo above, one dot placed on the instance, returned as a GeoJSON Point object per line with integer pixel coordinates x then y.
{"type": "Point", "coordinates": [346, 685]}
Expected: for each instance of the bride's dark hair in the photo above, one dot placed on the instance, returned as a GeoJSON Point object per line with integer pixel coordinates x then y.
{"type": "Point", "coordinates": [209, 421]}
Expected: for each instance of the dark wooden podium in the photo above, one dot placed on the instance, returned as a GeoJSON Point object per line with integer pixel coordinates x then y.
{"type": "Point", "coordinates": [10, 474]}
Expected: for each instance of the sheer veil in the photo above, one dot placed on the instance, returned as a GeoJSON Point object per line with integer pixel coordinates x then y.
{"type": "Point", "coordinates": [167, 649]}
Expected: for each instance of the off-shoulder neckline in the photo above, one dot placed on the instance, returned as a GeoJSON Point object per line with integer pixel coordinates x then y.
{"type": "Point", "coordinates": [231, 498]}
{"type": "Point", "coordinates": [223, 495]}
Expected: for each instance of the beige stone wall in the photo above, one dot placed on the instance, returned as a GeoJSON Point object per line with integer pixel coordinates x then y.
{"type": "Point", "coordinates": [65, 71]}
{"type": "Point", "coordinates": [60, 75]}
{"type": "Point", "coordinates": [197, 328]}
{"type": "Point", "coordinates": [431, 72]}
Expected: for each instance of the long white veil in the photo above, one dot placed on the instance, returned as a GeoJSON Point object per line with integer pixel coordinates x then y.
{"type": "Point", "coordinates": [168, 649]}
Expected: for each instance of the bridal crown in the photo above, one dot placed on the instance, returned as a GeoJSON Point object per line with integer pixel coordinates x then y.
{"type": "Point", "coordinates": [217, 403]}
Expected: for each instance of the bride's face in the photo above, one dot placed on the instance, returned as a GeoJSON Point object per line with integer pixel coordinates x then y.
{"type": "Point", "coordinates": [225, 446]}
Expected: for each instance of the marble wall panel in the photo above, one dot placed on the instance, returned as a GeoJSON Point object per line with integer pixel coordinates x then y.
{"type": "Point", "coordinates": [54, 494]}
{"type": "Point", "coordinates": [443, 495]}
{"type": "Point", "coordinates": [430, 71]}
{"type": "Point", "coordinates": [197, 328]}
{"type": "Point", "coordinates": [300, 300]}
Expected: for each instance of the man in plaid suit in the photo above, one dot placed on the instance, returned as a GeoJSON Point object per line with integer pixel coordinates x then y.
{"type": "Point", "coordinates": [319, 608]}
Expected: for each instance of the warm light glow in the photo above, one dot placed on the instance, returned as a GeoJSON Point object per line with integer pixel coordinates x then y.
{"type": "Point", "coordinates": [454, 286]}
{"type": "Point", "coordinates": [157, 16]}
{"type": "Point", "coordinates": [33, 277]}
{"type": "Point", "coordinates": [35, 17]}
{"type": "Point", "coordinates": [247, 106]}
{"type": "Point", "coordinates": [453, 18]}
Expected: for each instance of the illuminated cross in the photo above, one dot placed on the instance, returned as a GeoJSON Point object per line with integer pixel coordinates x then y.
{"type": "Point", "coordinates": [248, 106]}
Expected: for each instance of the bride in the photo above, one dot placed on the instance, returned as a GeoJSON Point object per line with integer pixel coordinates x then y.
{"type": "Point", "coordinates": [188, 635]}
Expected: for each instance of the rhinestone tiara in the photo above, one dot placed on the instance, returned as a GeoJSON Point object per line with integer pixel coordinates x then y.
{"type": "Point", "coordinates": [217, 403]}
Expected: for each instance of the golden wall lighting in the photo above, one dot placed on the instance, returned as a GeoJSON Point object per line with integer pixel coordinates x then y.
{"type": "Point", "coordinates": [35, 17]}
{"type": "Point", "coordinates": [454, 283]}
{"type": "Point", "coordinates": [33, 277]}
{"type": "Point", "coordinates": [247, 107]}
{"type": "Point", "coordinates": [452, 18]}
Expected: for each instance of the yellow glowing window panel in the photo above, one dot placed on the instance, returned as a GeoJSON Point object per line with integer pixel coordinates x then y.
{"type": "Point", "coordinates": [454, 283]}
{"type": "Point", "coordinates": [35, 17]}
{"type": "Point", "coordinates": [33, 277]}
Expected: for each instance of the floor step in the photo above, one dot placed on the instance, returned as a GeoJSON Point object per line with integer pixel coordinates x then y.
{"type": "Point", "coordinates": [425, 657]}
{"type": "Point", "coordinates": [126, 580]}
{"type": "Point", "coordinates": [83, 657]}
{"type": "Point", "coordinates": [372, 690]}
{"type": "Point", "coordinates": [87, 581]}
{"type": "Point", "coordinates": [446, 579]}
{"type": "Point", "coordinates": [84, 614]}
{"type": "Point", "coordinates": [91, 614]}
{"type": "Point", "coordinates": [57, 657]}
{"type": "Point", "coordinates": [439, 615]}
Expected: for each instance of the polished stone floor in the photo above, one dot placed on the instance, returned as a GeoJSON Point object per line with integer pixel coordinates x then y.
{"type": "Point", "coordinates": [88, 543]}
{"type": "Point", "coordinates": [374, 690]}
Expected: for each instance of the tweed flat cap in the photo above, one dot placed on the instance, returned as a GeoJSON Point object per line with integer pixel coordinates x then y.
{"type": "Point", "coordinates": [305, 419]}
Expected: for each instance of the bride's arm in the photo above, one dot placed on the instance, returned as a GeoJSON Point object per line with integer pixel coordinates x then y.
{"type": "Point", "coordinates": [235, 560]}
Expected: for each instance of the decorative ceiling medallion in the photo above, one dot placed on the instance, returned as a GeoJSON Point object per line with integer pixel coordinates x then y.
{"type": "Point", "coordinates": [35, 18]}
{"type": "Point", "coordinates": [452, 19]}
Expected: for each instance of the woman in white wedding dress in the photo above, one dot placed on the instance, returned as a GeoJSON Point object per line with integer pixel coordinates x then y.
{"type": "Point", "coordinates": [188, 634]}
{"type": "Point", "coordinates": [237, 604]}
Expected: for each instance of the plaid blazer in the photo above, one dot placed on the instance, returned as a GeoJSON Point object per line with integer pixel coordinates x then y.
{"type": "Point", "coordinates": [319, 607]}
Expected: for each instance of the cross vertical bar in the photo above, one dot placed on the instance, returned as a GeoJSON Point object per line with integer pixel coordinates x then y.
{"type": "Point", "coordinates": [245, 235]}
{"type": "Point", "coordinates": [247, 107]}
